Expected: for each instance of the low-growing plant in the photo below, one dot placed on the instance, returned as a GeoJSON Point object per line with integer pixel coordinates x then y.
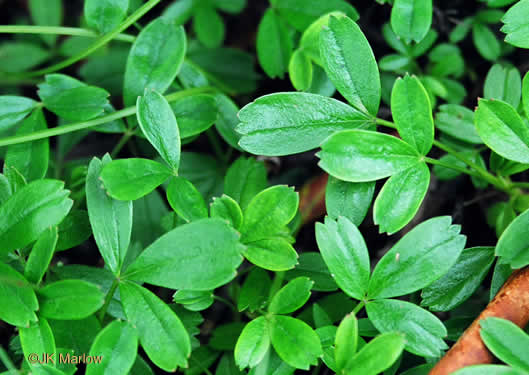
{"type": "Point", "coordinates": [139, 235]}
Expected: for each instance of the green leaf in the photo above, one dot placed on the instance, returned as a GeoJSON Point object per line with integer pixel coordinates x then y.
{"type": "Point", "coordinates": [378, 355]}
{"type": "Point", "coordinates": [162, 335]}
{"type": "Point", "coordinates": [422, 256]}
{"type": "Point", "coordinates": [18, 300]}
{"type": "Point", "coordinates": [274, 44]}
{"type": "Point", "coordinates": [458, 122]}
{"type": "Point", "coordinates": [110, 219]}
{"type": "Point", "coordinates": [228, 209]}
{"type": "Point", "coordinates": [423, 330]}
{"type": "Point", "coordinates": [512, 246]}
{"type": "Point", "coordinates": [31, 158]}
{"type": "Point", "coordinates": [158, 123]}
{"type": "Point", "coordinates": [486, 42]}
{"type": "Point", "coordinates": [155, 59]}
{"type": "Point", "coordinates": [346, 341]}
{"type": "Point", "coordinates": [13, 109]}
{"type": "Point", "coordinates": [78, 104]}
{"type": "Point", "coordinates": [186, 200]}
{"type": "Point", "coordinates": [301, 13]}
{"type": "Point", "coordinates": [362, 156]}
{"type": "Point", "coordinates": [194, 114]}
{"type": "Point", "coordinates": [37, 338]}
{"type": "Point", "coordinates": [310, 40]}
{"type": "Point", "coordinates": [105, 15]}
{"type": "Point", "coordinates": [193, 300]}
{"type": "Point", "coordinates": [295, 342]}
{"type": "Point", "coordinates": [411, 19]}
{"type": "Point", "coordinates": [230, 6]}
{"type": "Point", "coordinates": [311, 265]}
{"type": "Point", "coordinates": [487, 370]}
{"type": "Point", "coordinates": [516, 24]}
{"type": "Point", "coordinates": [289, 123]}
{"type": "Point", "coordinates": [506, 341]}
{"type": "Point", "coordinates": [343, 248]}
{"type": "Point", "coordinates": [74, 230]}
{"type": "Point", "coordinates": [503, 83]}
{"type": "Point", "coordinates": [461, 281]}
{"type": "Point", "coordinates": [348, 199]}
{"type": "Point", "coordinates": [209, 26]}
{"type": "Point", "coordinates": [117, 344]}
{"type": "Point", "coordinates": [400, 198]}
{"type": "Point", "coordinates": [40, 257]}
{"type": "Point", "coordinates": [201, 262]}
{"type": "Point", "coordinates": [245, 178]}
{"type": "Point", "coordinates": [39, 205]}
{"type": "Point", "coordinates": [254, 290]}
{"type": "Point", "coordinates": [502, 129]}
{"type": "Point", "coordinates": [227, 120]}
{"type": "Point", "coordinates": [274, 254]}
{"type": "Point", "coordinates": [412, 113]}
{"type": "Point", "coordinates": [69, 299]}
{"type": "Point", "coordinates": [5, 189]}
{"type": "Point", "coordinates": [46, 13]}
{"type": "Point", "coordinates": [130, 179]}
{"type": "Point", "coordinates": [300, 70]}
{"type": "Point", "coordinates": [252, 344]}
{"type": "Point", "coordinates": [18, 57]}
{"type": "Point", "coordinates": [85, 332]}
{"type": "Point", "coordinates": [350, 64]}
{"type": "Point", "coordinates": [525, 95]}
{"type": "Point", "coordinates": [268, 212]}
{"type": "Point", "coordinates": [292, 296]}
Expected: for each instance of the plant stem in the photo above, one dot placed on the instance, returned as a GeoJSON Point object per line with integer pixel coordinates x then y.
{"type": "Point", "coordinates": [4, 358]}
{"type": "Point", "coordinates": [276, 284]}
{"type": "Point", "coordinates": [97, 44]}
{"type": "Point", "coordinates": [57, 30]}
{"type": "Point", "coordinates": [108, 298]}
{"type": "Point", "coordinates": [358, 307]}
{"type": "Point", "coordinates": [451, 166]}
{"type": "Point", "coordinates": [122, 142]}
{"type": "Point", "coordinates": [226, 302]}
{"type": "Point", "coordinates": [69, 128]}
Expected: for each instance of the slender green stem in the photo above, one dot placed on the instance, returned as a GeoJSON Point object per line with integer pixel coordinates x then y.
{"type": "Point", "coordinates": [56, 30]}
{"type": "Point", "coordinates": [385, 123]}
{"type": "Point", "coordinates": [359, 307]}
{"type": "Point", "coordinates": [69, 128]}
{"type": "Point", "coordinates": [4, 358]}
{"type": "Point", "coordinates": [108, 298]}
{"type": "Point", "coordinates": [276, 284]}
{"type": "Point", "coordinates": [451, 166]}
{"type": "Point", "coordinates": [122, 142]}
{"type": "Point", "coordinates": [523, 185]}
{"type": "Point", "coordinates": [97, 44]}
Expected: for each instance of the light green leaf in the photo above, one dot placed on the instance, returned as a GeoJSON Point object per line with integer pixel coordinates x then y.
{"type": "Point", "coordinates": [348, 199]}
{"type": "Point", "coordinates": [252, 344]}
{"type": "Point", "coordinates": [193, 300]}
{"type": "Point", "coordinates": [78, 104]}
{"type": "Point", "coordinates": [155, 59]}
{"type": "Point", "coordinates": [40, 257]}
{"type": "Point", "coordinates": [131, 179]}
{"type": "Point", "coordinates": [458, 122]}
{"type": "Point", "coordinates": [200, 262]}
{"type": "Point", "coordinates": [105, 15]}
{"type": "Point", "coordinates": [186, 200]}
{"type": "Point", "coordinates": [513, 247]}
{"type": "Point", "coordinates": [37, 338]}
{"type": "Point", "coordinates": [400, 198]}
{"type": "Point", "coordinates": [503, 83]}
{"type": "Point", "coordinates": [274, 44]}
{"type": "Point", "coordinates": [288, 123]}
{"type": "Point", "coordinates": [194, 114]}
{"type": "Point", "coordinates": [411, 19]}
{"type": "Point", "coordinates": [502, 129]}
{"type": "Point", "coordinates": [292, 296]}
{"type": "Point", "coordinates": [487, 370]}
{"type": "Point", "coordinates": [350, 64]}
{"type": "Point", "coordinates": [423, 330]}
{"type": "Point", "coordinates": [228, 209]}
{"type": "Point", "coordinates": [412, 113]}
{"type": "Point", "coordinates": [13, 109]}
{"type": "Point", "coordinates": [486, 42]}
{"type": "Point", "coordinates": [46, 13]}
{"type": "Point", "coordinates": [300, 70]}
{"type": "Point", "coordinates": [346, 341]}
{"type": "Point", "coordinates": [274, 254]}
{"type": "Point", "coordinates": [516, 24]}
{"type": "Point", "coordinates": [362, 156]}
{"type": "Point", "coordinates": [345, 253]}
{"type": "Point", "coordinates": [310, 40]}
{"type": "Point", "coordinates": [525, 94]}
{"type": "Point", "coordinates": [110, 219]}
{"type": "Point", "coordinates": [422, 256]}
{"type": "Point", "coordinates": [162, 335]}
{"type": "Point", "coordinates": [14, 287]}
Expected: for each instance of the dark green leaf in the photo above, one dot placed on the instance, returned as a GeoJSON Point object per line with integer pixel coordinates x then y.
{"type": "Point", "coordinates": [18, 300]}
{"type": "Point", "coordinates": [227, 120]}
{"type": "Point", "coordinates": [78, 104]}
{"type": "Point", "coordinates": [40, 256]}
{"type": "Point", "coordinates": [46, 13]}
{"type": "Point", "coordinates": [458, 122]}
{"type": "Point", "coordinates": [411, 19]}
{"type": "Point", "coordinates": [245, 179]}
{"type": "Point", "coordinates": [252, 344]}
{"type": "Point", "coordinates": [486, 42]}
{"type": "Point", "coordinates": [311, 265]}
{"type": "Point", "coordinates": [209, 26]}
{"type": "Point", "coordinates": [253, 294]}
{"type": "Point", "coordinates": [186, 200]}
{"type": "Point", "coordinates": [194, 114]}
{"type": "Point", "coordinates": [274, 44]}
{"type": "Point", "coordinates": [105, 15]}
{"type": "Point", "coordinates": [292, 296]}
{"type": "Point", "coordinates": [18, 57]}
{"type": "Point", "coordinates": [512, 246]}
{"type": "Point", "coordinates": [348, 199]}
{"type": "Point", "coordinates": [74, 230]}
{"type": "Point", "coordinates": [13, 109]}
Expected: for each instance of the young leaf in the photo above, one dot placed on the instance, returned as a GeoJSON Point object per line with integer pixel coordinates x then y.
{"type": "Point", "coordinates": [69, 299]}
{"type": "Point", "coordinates": [195, 114]}
{"type": "Point", "coordinates": [155, 59]}
{"type": "Point", "coordinates": [412, 113]}
{"type": "Point", "coordinates": [105, 15]}
{"type": "Point", "coordinates": [131, 179]}
{"type": "Point", "coordinates": [201, 262]}
{"type": "Point", "coordinates": [516, 24]}
{"type": "Point", "coordinates": [350, 64]}
{"type": "Point", "coordinates": [292, 296]}
{"type": "Point", "coordinates": [274, 44]}
{"type": "Point", "coordinates": [117, 344]}
{"type": "Point", "coordinates": [40, 256]}
{"type": "Point", "coordinates": [486, 42]}
{"type": "Point", "coordinates": [346, 340]}
{"type": "Point", "coordinates": [400, 198]}
{"type": "Point", "coordinates": [162, 335]}
{"type": "Point", "coordinates": [422, 256]}
{"type": "Point", "coordinates": [227, 120]}
{"type": "Point", "coordinates": [295, 342]}
{"type": "Point", "coordinates": [362, 156]}
{"type": "Point", "coordinates": [288, 123]}
{"type": "Point", "coordinates": [253, 294]}
{"type": "Point", "coordinates": [79, 103]}
{"type": "Point", "coordinates": [502, 129]}
{"type": "Point", "coordinates": [37, 338]}
{"type": "Point", "coordinates": [274, 254]}
{"type": "Point", "coordinates": [39, 205]}
{"type": "Point", "coordinates": [193, 300]}
{"type": "Point", "coordinates": [244, 179]}
{"type": "Point", "coordinates": [13, 109]}
{"type": "Point", "coordinates": [14, 287]}
{"type": "Point", "coordinates": [253, 343]}
{"type": "Point", "coordinates": [377, 356]}
{"type": "Point", "coordinates": [461, 281]}
{"type": "Point", "coordinates": [503, 83]}
{"type": "Point", "coordinates": [506, 341]}
{"type": "Point", "coordinates": [300, 70]}
{"type": "Point", "coordinates": [46, 13]}
{"type": "Point", "coordinates": [512, 246]}
{"type": "Point", "coordinates": [186, 200]}
{"type": "Point", "coordinates": [423, 330]}
{"type": "Point", "coordinates": [345, 253]}
{"type": "Point", "coordinates": [348, 199]}
{"type": "Point", "coordinates": [411, 19]}
{"type": "Point", "coordinates": [228, 209]}
{"type": "Point", "coordinates": [458, 122]}
{"type": "Point", "coordinates": [110, 219]}
{"type": "Point", "coordinates": [158, 123]}
{"type": "Point", "coordinates": [209, 26]}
